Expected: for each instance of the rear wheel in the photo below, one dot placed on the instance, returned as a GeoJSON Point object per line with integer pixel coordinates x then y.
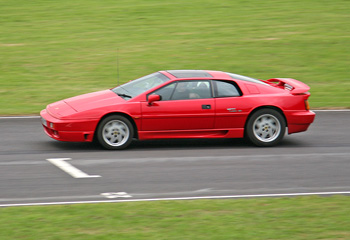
{"type": "Point", "coordinates": [266, 128]}
{"type": "Point", "coordinates": [115, 132]}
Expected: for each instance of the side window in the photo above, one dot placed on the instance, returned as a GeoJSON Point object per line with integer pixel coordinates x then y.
{"type": "Point", "coordinates": [226, 89]}
{"type": "Point", "coordinates": [192, 90]}
{"type": "Point", "coordinates": [166, 91]}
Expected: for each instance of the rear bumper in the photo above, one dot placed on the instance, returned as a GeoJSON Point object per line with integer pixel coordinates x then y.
{"type": "Point", "coordinates": [299, 121]}
{"type": "Point", "coordinates": [68, 130]}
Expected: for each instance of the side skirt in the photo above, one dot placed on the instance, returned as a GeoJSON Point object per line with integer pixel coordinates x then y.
{"type": "Point", "coordinates": [201, 133]}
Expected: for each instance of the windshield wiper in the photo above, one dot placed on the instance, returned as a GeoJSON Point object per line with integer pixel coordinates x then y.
{"type": "Point", "coordinates": [124, 95]}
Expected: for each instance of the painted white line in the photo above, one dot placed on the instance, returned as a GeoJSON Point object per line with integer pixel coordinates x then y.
{"type": "Point", "coordinates": [269, 158]}
{"type": "Point", "coordinates": [334, 110]}
{"type": "Point", "coordinates": [178, 198]}
{"type": "Point", "coordinates": [19, 117]}
{"type": "Point", "coordinates": [68, 168]}
{"type": "Point", "coordinates": [260, 157]}
{"type": "Point", "coordinates": [116, 195]}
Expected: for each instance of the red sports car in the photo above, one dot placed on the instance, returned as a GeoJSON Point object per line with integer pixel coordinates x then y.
{"type": "Point", "coordinates": [183, 104]}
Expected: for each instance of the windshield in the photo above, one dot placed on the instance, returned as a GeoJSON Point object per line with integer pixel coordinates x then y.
{"type": "Point", "coordinates": [136, 87]}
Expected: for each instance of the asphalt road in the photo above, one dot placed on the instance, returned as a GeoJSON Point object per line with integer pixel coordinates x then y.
{"type": "Point", "coordinates": [317, 161]}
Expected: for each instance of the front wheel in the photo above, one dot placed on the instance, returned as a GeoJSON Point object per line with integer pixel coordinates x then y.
{"type": "Point", "coordinates": [266, 128]}
{"type": "Point", "coordinates": [115, 132]}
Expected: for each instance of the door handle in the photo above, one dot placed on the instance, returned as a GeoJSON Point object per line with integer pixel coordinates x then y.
{"type": "Point", "coordinates": [206, 106]}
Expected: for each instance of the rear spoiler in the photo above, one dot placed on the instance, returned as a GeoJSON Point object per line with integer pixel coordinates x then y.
{"type": "Point", "coordinates": [294, 86]}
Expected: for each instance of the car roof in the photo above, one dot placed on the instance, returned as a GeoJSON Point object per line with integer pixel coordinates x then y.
{"type": "Point", "coordinates": [190, 74]}
{"type": "Point", "coordinates": [185, 74]}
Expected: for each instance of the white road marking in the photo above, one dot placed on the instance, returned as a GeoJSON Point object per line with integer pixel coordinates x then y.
{"type": "Point", "coordinates": [19, 117]}
{"type": "Point", "coordinates": [255, 157]}
{"type": "Point", "coordinates": [332, 110]}
{"type": "Point", "coordinates": [116, 195]}
{"type": "Point", "coordinates": [68, 168]}
{"type": "Point", "coordinates": [177, 198]}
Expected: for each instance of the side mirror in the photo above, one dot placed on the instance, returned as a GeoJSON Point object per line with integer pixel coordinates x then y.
{"type": "Point", "coordinates": [154, 97]}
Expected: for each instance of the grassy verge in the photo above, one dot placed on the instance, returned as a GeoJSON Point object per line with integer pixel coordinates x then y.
{"type": "Point", "coordinates": [270, 218]}
{"type": "Point", "coordinates": [57, 49]}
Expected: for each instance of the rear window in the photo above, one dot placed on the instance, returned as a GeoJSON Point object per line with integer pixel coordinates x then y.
{"type": "Point", "coordinates": [226, 89]}
{"type": "Point", "coordinates": [245, 78]}
{"type": "Point", "coordinates": [190, 74]}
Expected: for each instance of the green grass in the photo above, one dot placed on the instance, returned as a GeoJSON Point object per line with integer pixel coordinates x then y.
{"type": "Point", "coordinates": [270, 218]}
{"type": "Point", "coordinates": [50, 50]}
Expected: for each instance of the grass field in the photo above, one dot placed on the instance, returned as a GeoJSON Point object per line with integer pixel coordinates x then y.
{"type": "Point", "coordinates": [270, 218]}
{"type": "Point", "coordinates": [51, 50]}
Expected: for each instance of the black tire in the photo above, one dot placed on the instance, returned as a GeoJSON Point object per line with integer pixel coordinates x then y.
{"type": "Point", "coordinates": [115, 132]}
{"type": "Point", "coordinates": [265, 128]}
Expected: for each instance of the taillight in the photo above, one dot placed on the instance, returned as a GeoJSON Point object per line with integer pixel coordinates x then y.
{"type": "Point", "coordinates": [307, 106]}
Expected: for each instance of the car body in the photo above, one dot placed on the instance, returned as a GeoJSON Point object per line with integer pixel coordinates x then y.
{"type": "Point", "coordinates": [183, 104]}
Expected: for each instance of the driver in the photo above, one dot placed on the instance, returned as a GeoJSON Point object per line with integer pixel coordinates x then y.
{"type": "Point", "coordinates": [182, 92]}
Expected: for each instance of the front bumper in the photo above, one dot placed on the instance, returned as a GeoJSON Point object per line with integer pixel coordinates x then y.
{"type": "Point", "coordinates": [68, 130]}
{"type": "Point", "coordinates": [299, 121]}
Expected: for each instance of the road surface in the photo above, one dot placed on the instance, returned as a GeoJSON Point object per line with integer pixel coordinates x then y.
{"type": "Point", "coordinates": [35, 169]}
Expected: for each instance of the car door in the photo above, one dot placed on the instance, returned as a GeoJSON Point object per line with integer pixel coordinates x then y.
{"type": "Point", "coordinates": [185, 105]}
{"type": "Point", "coordinates": [231, 109]}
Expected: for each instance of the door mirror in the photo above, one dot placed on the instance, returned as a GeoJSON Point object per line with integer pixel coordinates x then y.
{"type": "Point", "coordinates": [154, 97]}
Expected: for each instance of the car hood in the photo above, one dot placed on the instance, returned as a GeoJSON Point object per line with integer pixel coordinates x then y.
{"type": "Point", "coordinates": [93, 100]}
{"type": "Point", "coordinates": [84, 103]}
